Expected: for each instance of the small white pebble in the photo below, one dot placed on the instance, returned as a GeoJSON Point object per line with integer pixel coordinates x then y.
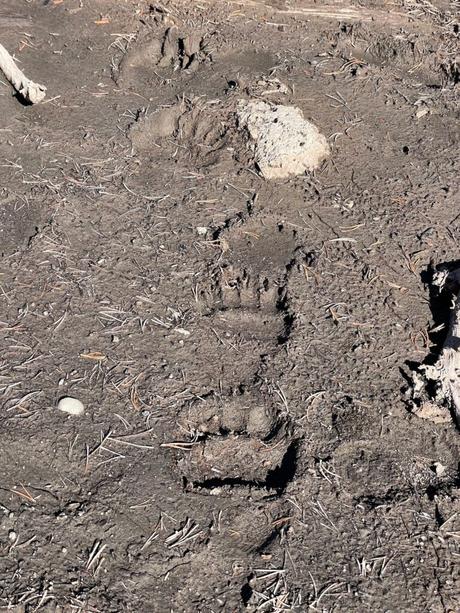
{"type": "Point", "coordinates": [202, 230]}
{"type": "Point", "coordinates": [182, 331]}
{"type": "Point", "coordinates": [421, 113]}
{"type": "Point", "coordinates": [72, 406]}
{"type": "Point", "coordinates": [12, 535]}
{"type": "Point", "coordinates": [439, 469]}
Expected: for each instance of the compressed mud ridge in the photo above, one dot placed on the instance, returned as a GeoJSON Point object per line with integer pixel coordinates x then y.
{"type": "Point", "coordinates": [245, 348]}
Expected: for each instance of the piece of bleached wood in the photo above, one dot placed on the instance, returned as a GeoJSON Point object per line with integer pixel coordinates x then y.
{"type": "Point", "coordinates": [333, 9]}
{"type": "Point", "coordinates": [30, 91]}
{"type": "Point", "coordinates": [446, 370]}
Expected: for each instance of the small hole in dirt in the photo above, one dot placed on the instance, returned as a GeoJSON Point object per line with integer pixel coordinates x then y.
{"type": "Point", "coordinates": [288, 319]}
{"type": "Point", "coordinates": [232, 84]}
{"type": "Point", "coordinates": [456, 28]}
{"type": "Point", "coordinates": [301, 144]}
{"type": "Point", "coordinates": [275, 120]}
{"type": "Point", "coordinates": [282, 475]}
{"type": "Point", "coordinates": [438, 516]}
{"type": "Point", "coordinates": [405, 150]}
{"type": "Point", "coordinates": [246, 592]}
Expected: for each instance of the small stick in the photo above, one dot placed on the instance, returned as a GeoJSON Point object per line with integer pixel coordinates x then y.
{"type": "Point", "coordinates": [30, 91]}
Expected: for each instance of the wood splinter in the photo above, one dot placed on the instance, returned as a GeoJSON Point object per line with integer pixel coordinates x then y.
{"type": "Point", "coordinates": [444, 375]}
{"type": "Point", "coordinates": [30, 91]}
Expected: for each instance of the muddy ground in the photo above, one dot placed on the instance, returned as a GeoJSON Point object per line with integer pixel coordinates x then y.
{"type": "Point", "coordinates": [243, 347]}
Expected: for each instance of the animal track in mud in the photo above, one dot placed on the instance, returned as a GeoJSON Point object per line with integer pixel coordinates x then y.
{"type": "Point", "coordinates": [235, 461]}
{"type": "Point", "coordinates": [181, 51]}
{"type": "Point", "coordinates": [374, 474]}
{"type": "Point", "coordinates": [241, 414]}
{"type": "Point", "coordinates": [169, 49]}
{"type": "Point", "coordinates": [242, 439]}
{"type": "Point", "coordinates": [262, 242]}
{"type": "Point", "coordinates": [252, 308]}
{"type": "Point", "coordinates": [360, 47]}
{"type": "Point", "coordinates": [205, 137]}
{"type": "Point", "coordinates": [247, 529]}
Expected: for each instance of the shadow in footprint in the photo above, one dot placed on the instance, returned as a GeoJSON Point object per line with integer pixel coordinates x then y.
{"type": "Point", "coordinates": [280, 477]}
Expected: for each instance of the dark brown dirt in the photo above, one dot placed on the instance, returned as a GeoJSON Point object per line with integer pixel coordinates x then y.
{"type": "Point", "coordinates": [242, 347]}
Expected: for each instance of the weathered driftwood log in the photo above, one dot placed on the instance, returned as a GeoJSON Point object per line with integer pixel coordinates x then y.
{"type": "Point", "coordinates": [30, 91]}
{"type": "Point", "coordinates": [443, 378]}
{"type": "Point", "coordinates": [341, 10]}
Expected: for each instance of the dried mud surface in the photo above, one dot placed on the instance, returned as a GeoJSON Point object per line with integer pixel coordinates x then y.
{"type": "Point", "coordinates": [242, 346]}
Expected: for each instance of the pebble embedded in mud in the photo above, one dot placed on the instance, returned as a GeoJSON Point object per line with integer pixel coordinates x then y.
{"type": "Point", "coordinates": [12, 535]}
{"type": "Point", "coordinates": [70, 405]}
{"type": "Point", "coordinates": [439, 469]}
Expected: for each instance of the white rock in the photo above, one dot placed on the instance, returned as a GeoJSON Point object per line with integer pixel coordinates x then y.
{"type": "Point", "coordinates": [183, 331]}
{"type": "Point", "coordinates": [439, 469]}
{"type": "Point", "coordinates": [284, 143]}
{"type": "Point", "coordinates": [421, 113]}
{"type": "Point", "coordinates": [73, 406]}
